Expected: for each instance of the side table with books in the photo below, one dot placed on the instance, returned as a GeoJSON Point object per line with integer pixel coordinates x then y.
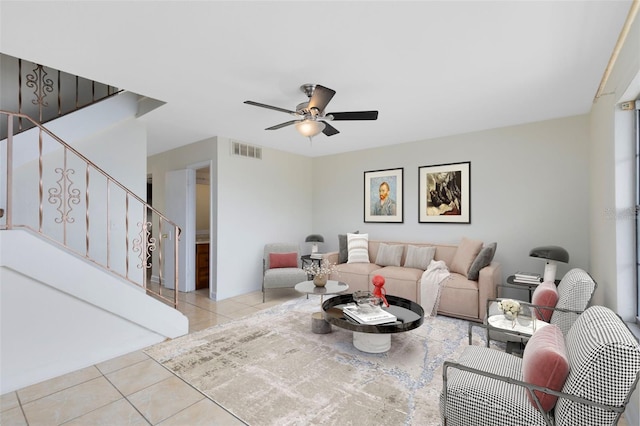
{"type": "Point", "coordinates": [524, 281]}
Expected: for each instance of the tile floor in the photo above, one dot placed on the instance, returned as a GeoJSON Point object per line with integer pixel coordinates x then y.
{"type": "Point", "coordinates": [134, 389]}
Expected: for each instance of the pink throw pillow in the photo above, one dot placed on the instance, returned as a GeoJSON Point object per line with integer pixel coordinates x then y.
{"type": "Point", "coordinates": [546, 294]}
{"type": "Point", "coordinates": [545, 363]}
{"type": "Point", "coordinates": [283, 260]}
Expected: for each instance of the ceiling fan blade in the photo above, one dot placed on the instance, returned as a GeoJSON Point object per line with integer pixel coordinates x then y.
{"type": "Point", "coordinates": [258, 104]}
{"type": "Point", "coordinates": [281, 125]}
{"type": "Point", "coordinates": [329, 130]}
{"type": "Point", "coordinates": [354, 115]}
{"type": "Point", "coordinates": [321, 97]}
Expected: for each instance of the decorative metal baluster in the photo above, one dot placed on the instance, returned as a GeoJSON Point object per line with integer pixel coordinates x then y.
{"type": "Point", "coordinates": [108, 224]}
{"type": "Point", "coordinates": [19, 94]}
{"type": "Point", "coordinates": [40, 182]}
{"type": "Point", "coordinates": [87, 222]}
{"type": "Point", "coordinates": [64, 196]}
{"type": "Point", "coordinates": [41, 85]}
{"type": "Point", "coordinates": [9, 194]}
{"type": "Point", "coordinates": [126, 235]}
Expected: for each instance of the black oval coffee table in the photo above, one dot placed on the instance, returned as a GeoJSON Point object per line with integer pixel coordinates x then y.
{"type": "Point", "coordinates": [374, 338]}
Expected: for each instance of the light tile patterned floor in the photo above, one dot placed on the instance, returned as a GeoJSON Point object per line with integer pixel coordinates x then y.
{"type": "Point", "coordinates": [134, 389]}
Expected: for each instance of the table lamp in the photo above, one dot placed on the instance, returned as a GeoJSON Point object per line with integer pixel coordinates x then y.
{"type": "Point", "coordinates": [552, 254]}
{"type": "Point", "coordinates": [315, 239]}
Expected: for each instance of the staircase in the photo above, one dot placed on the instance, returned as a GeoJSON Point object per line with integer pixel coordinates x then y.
{"type": "Point", "coordinates": [77, 246]}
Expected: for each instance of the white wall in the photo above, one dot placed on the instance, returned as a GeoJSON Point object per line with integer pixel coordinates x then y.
{"type": "Point", "coordinates": [529, 187]}
{"type": "Point", "coordinates": [612, 246]}
{"type": "Point", "coordinates": [612, 173]}
{"type": "Point", "coordinates": [55, 323]}
{"type": "Point", "coordinates": [254, 202]}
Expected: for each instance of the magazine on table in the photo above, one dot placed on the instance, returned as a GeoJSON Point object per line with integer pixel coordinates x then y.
{"type": "Point", "coordinates": [374, 317]}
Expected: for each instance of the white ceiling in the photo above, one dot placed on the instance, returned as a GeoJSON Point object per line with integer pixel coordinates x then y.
{"type": "Point", "coordinates": [430, 68]}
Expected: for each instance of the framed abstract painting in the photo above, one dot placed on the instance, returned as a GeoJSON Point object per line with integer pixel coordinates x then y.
{"type": "Point", "coordinates": [383, 196]}
{"type": "Point", "coordinates": [444, 193]}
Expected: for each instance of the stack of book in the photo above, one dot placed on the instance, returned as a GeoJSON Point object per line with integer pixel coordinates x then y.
{"type": "Point", "coordinates": [374, 316]}
{"type": "Point", "coordinates": [527, 278]}
{"type": "Point", "coordinates": [315, 256]}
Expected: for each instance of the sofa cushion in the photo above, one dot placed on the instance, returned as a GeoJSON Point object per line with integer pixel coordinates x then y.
{"type": "Point", "coordinates": [389, 255]}
{"type": "Point", "coordinates": [283, 260]}
{"type": "Point", "coordinates": [419, 257]}
{"type": "Point", "coordinates": [483, 259]}
{"type": "Point", "coordinates": [459, 295]}
{"type": "Point", "coordinates": [465, 255]}
{"type": "Point", "coordinates": [546, 294]}
{"type": "Point", "coordinates": [358, 245]}
{"type": "Point", "coordinates": [343, 248]}
{"type": "Point", "coordinates": [545, 363]}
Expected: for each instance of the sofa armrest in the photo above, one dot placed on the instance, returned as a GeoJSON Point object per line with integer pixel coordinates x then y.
{"type": "Point", "coordinates": [330, 257]}
{"type": "Point", "coordinates": [490, 277]}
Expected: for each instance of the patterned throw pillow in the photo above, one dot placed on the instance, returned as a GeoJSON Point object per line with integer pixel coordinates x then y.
{"type": "Point", "coordinates": [283, 260]}
{"type": "Point", "coordinates": [389, 255]}
{"type": "Point", "coordinates": [358, 245]}
{"type": "Point", "coordinates": [419, 257]}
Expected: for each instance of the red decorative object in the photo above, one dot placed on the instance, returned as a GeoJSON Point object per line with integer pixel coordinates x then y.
{"type": "Point", "coordinates": [379, 291]}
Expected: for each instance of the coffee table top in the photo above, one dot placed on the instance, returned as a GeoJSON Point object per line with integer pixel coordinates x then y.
{"type": "Point", "coordinates": [332, 287]}
{"type": "Point", "coordinates": [410, 315]}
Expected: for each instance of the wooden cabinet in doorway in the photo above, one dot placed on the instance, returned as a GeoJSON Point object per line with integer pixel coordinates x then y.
{"type": "Point", "coordinates": [202, 265]}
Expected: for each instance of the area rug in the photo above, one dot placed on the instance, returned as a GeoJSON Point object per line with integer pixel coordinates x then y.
{"type": "Point", "coordinates": [270, 369]}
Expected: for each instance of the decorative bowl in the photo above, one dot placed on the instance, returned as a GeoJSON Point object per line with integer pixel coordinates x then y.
{"type": "Point", "coordinates": [365, 300]}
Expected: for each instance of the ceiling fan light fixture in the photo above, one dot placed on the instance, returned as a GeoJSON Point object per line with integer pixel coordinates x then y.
{"type": "Point", "coordinates": [310, 128]}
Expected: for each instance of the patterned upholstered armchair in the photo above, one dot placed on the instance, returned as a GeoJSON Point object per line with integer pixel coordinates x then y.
{"type": "Point", "coordinates": [586, 378]}
{"type": "Point", "coordinates": [281, 267]}
{"type": "Point", "coordinates": [560, 306]}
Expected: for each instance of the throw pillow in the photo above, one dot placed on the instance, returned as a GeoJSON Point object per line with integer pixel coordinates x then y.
{"type": "Point", "coordinates": [419, 257]}
{"type": "Point", "coordinates": [483, 259]}
{"type": "Point", "coordinates": [466, 252]}
{"type": "Point", "coordinates": [389, 255]}
{"type": "Point", "coordinates": [343, 250]}
{"type": "Point", "coordinates": [546, 294]}
{"type": "Point", "coordinates": [545, 363]}
{"type": "Point", "coordinates": [283, 260]}
{"type": "Point", "coordinates": [358, 245]}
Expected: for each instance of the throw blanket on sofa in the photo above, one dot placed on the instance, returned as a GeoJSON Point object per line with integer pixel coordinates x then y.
{"type": "Point", "coordinates": [431, 285]}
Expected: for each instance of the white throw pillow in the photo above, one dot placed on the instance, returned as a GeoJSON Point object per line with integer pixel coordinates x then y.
{"type": "Point", "coordinates": [419, 257]}
{"type": "Point", "coordinates": [358, 246]}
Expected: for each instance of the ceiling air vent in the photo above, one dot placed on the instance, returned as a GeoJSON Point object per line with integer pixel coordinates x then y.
{"type": "Point", "coordinates": [244, 150]}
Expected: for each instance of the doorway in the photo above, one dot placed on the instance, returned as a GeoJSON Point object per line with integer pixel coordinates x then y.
{"type": "Point", "coordinates": [203, 226]}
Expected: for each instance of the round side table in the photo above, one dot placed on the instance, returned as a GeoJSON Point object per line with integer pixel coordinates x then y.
{"type": "Point", "coordinates": [318, 324]}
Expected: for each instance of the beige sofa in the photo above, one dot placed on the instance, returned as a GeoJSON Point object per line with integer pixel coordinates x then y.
{"type": "Point", "coordinates": [460, 297]}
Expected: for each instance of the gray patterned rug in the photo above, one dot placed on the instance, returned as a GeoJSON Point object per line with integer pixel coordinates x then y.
{"type": "Point", "coordinates": [269, 369]}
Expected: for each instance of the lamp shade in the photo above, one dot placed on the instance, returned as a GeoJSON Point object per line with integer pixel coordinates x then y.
{"type": "Point", "coordinates": [314, 238]}
{"type": "Point", "coordinates": [309, 128]}
{"type": "Point", "coordinates": [550, 252]}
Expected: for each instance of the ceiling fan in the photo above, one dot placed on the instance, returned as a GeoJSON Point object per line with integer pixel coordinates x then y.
{"type": "Point", "coordinates": [310, 116]}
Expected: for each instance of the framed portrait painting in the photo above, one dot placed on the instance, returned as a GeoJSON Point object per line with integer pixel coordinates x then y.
{"type": "Point", "coordinates": [445, 193]}
{"type": "Point", "coordinates": [383, 196]}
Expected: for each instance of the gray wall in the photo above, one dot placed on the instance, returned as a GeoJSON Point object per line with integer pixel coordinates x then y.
{"type": "Point", "coordinates": [529, 187]}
